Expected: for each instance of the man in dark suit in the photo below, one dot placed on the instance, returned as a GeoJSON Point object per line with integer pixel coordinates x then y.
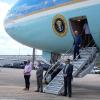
{"type": "Point", "coordinates": [77, 44]}
{"type": "Point", "coordinates": [67, 72]}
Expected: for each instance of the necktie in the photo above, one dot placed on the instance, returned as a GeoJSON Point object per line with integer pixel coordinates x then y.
{"type": "Point", "coordinates": [65, 68]}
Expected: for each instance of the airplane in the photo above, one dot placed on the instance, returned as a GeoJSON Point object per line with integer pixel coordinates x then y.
{"type": "Point", "coordinates": [49, 25]}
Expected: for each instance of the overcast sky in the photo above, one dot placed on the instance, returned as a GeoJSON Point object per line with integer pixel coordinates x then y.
{"type": "Point", "coordinates": [8, 46]}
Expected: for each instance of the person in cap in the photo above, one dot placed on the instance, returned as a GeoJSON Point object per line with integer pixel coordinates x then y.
{"type": "Point", "coordinates": [39, 76]}
{"type": "Point", "coordinates": [67, 73]}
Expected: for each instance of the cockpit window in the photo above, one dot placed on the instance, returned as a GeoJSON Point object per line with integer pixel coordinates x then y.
{"type": "Point", "coordinates": [23, 7]}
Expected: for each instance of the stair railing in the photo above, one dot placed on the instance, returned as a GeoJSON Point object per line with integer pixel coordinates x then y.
{"type": "Point", "coordinates": [60, 60]}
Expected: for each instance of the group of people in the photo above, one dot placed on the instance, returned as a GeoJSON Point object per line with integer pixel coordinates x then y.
{"type": "Point", "coordinates": [67, 73]}
{"type": "Point", "coordinates": [39, 76]}
{"type": "Point", "coordinates": [67, 70]}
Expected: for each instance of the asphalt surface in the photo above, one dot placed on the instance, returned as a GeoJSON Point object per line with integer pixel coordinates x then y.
{"type": "Point", "coordinates": [12, 84]}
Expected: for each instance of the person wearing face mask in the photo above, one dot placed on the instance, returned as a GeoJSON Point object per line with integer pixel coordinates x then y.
{"type": "Point", "coordinates": [27, 74]}
{"type": "Point", "coordinates": [39, 76]}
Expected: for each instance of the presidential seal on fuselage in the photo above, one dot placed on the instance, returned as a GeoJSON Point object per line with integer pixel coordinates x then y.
{"type": "Point", "coordinates": [59, 25]}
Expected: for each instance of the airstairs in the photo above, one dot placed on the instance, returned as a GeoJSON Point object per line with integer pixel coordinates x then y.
{"type": "Point", "coordinates": [80, 68]}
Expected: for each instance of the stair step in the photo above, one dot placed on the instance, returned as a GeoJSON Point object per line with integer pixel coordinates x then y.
{"type": "Point", "coordinates": [51, 92]}
{"type": "Point", "coordinates": [56, 85]}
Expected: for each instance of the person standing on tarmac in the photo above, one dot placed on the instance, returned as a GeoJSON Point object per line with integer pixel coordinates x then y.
{"type": "Point", "coordinates": [27, 74]}
{"type": "Point", "coordinates": [39, 76]}
{"type": "Point", "coordinates": [67, 73]}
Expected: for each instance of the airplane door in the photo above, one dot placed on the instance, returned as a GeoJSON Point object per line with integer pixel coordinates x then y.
{"type": "Point", "coordinates": [80, 24]}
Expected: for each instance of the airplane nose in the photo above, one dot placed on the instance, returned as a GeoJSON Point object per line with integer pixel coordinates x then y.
{"type": "Point", "coordinates": [36, 29]}
{"type": "Point", "coordinates": [37, 33]}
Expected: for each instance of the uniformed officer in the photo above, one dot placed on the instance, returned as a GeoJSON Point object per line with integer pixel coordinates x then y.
{"type": "Point", "coordinates": [39, 76]}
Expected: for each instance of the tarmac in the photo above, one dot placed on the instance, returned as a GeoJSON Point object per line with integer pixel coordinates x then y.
{"type": "Point", "coordinates": [12, 84]}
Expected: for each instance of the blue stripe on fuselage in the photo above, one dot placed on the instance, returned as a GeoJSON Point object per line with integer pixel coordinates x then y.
{"type": "Point", "coordinates": [24, 7]}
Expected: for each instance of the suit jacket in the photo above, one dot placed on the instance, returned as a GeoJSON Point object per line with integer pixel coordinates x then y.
{"type": "Point", "coordinates": [68, 71]}
{"type": "Point", "coordinates": [77, 41]}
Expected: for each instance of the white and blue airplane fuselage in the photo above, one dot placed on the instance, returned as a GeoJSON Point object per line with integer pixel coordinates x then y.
{"type": "Point", "coordinates": [45, 24]}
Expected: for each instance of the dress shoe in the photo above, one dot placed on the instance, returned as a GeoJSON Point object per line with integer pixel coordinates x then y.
{"type": "Point", "coordinates": [64, 94]}
{"type": "Point", "coordinates": [26, 89]}
{"type": "Point", "coordinates": [36, 90]}
{"type": "Point", "coordinates": [41, 91]}
{"type": "Point", "coordinates": [69, 96]}
{"type": "Point", "coordinates": [79, 57]}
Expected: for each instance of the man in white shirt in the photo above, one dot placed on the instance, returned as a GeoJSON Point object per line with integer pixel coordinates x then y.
{"type": "Point", "coordinates": [27, 74]}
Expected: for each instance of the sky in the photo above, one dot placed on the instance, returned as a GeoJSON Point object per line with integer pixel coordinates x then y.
{"type": "Point", "coordinates": [8, 46]}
